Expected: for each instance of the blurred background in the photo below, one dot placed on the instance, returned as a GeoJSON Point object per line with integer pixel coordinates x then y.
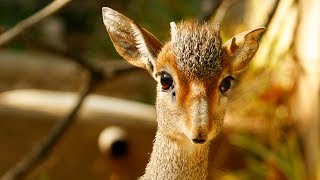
{"type": "Point", "coordinates": [272, 126]}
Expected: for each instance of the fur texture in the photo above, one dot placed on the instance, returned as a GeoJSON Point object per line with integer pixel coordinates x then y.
{"type": "Point", "coordinates": [198, 49]}
{"type": "Point", "coordinates": [175, 160]}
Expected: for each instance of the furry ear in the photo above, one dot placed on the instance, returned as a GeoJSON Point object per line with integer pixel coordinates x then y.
{"type": "Point", "coordinates": [133, 43]}
{"type": "Point", "coordinates": [240, 49]}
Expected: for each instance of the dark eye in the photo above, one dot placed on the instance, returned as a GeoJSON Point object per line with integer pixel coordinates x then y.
{"type": "Point", "coordinates": [166, 81]}
{"type": "Point", "coordinates": [226, 84]}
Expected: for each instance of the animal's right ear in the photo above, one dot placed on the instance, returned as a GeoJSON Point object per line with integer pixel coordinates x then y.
{"type": "Point", "coordinates": [133, 43]}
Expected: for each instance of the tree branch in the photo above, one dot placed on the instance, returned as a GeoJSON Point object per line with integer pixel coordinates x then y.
{"type": "Point", "coordinates": [32, 20]}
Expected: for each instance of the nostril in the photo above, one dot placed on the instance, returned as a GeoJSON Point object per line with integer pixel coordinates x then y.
{"type": "Point", "coordinates": [199, 141]}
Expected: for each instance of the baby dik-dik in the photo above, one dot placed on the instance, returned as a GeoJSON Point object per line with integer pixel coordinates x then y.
{"type": "Point", "coordinates": [194, 72]}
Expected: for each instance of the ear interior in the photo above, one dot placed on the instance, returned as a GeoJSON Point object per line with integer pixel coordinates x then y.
{"type": "Point", "coordinates": [240, 49]}
{"type": "Point", "coordinates": [135, 44]}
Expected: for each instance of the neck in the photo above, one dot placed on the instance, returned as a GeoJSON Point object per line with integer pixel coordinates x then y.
{"type": "Point", "coordinates": [171, 159]}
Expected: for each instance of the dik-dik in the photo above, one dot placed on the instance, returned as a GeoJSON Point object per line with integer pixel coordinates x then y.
{"type": "Point", "coordinates": [194, 72]}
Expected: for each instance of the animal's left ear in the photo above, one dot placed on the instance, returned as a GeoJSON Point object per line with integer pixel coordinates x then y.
{"type": "Point", "coordinates": [240, 49]}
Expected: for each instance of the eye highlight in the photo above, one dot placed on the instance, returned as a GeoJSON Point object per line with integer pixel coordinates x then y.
{"type": "Point", "coordinates": [166, 81]}
{"type": "Point", "coordinates": [226, 85]}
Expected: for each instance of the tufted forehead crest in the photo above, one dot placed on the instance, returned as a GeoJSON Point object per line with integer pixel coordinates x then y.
{"type": "Point", "coordinates": [198, 49]}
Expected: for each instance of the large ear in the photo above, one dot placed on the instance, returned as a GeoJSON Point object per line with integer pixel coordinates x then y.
{"type": "Point", "coordinates": [240, 49]}
{"type": "Point", "coordinates": [133, 43]}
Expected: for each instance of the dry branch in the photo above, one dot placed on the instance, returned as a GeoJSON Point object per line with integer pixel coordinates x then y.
{"type": "Point", "coordinates": [32, 20]}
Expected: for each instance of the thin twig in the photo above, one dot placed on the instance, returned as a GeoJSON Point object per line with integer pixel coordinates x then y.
{"type": "Point", "coordinates": [32, 20]}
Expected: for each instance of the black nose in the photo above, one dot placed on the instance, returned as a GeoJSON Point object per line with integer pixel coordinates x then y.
{"type": "Point", "coordinates": [199, 141]}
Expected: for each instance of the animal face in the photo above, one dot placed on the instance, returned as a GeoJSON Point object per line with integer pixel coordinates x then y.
{"type": "Point", "coordinates": [194, 71]}
{"type": "Point", "coordinates": [191, 104]}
